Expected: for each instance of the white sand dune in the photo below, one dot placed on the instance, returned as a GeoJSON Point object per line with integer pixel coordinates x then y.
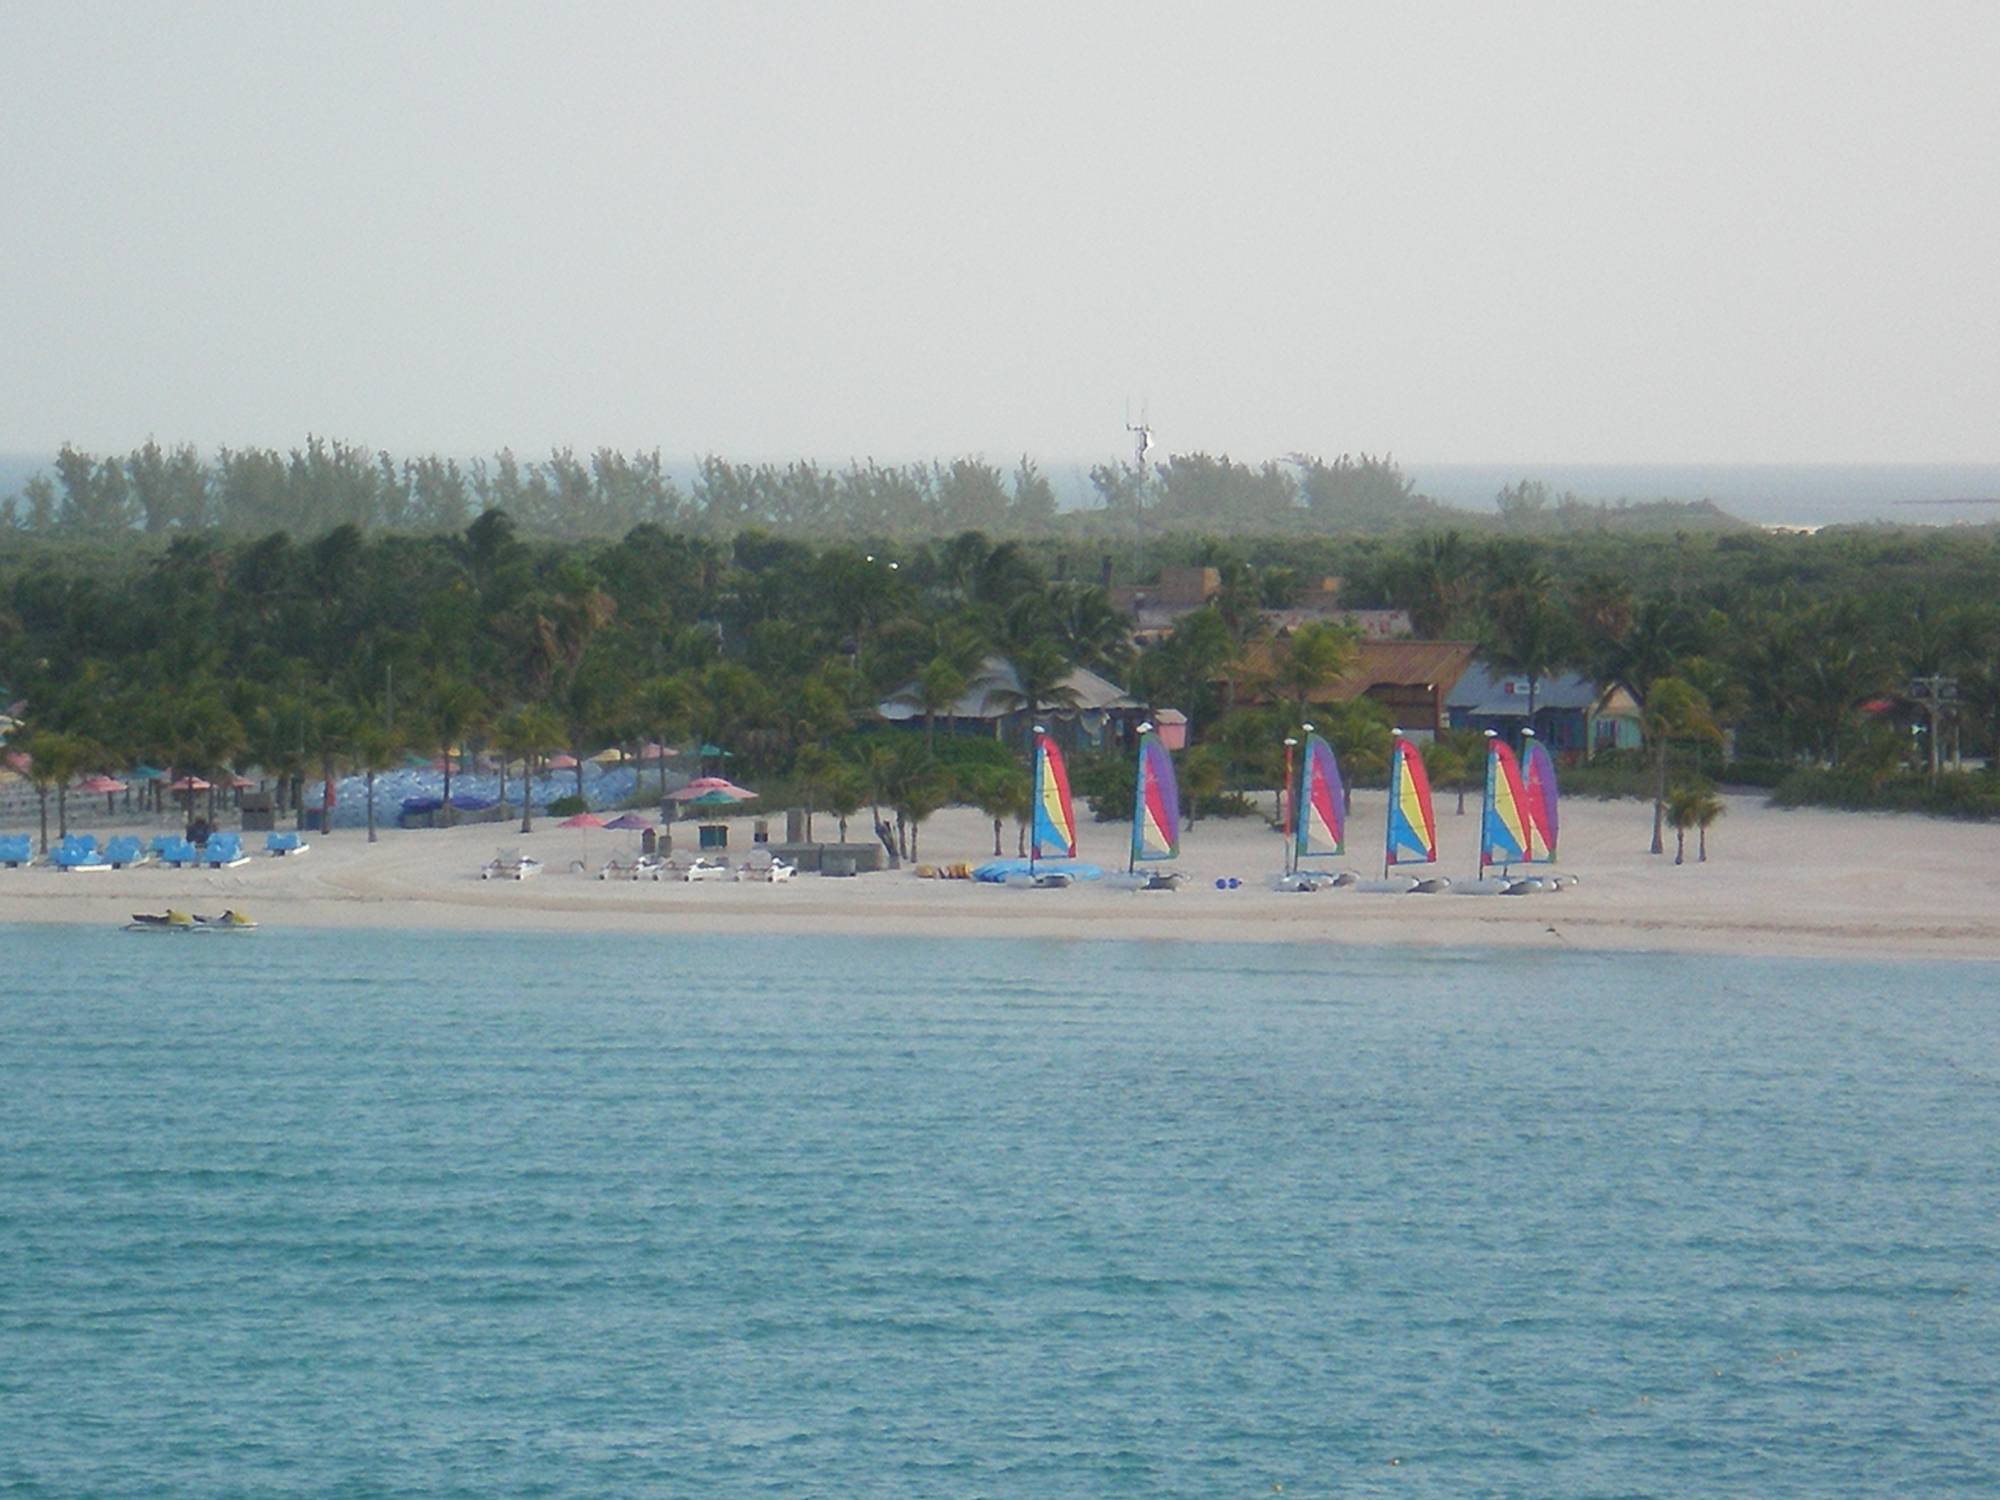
{"type": "Point", "coordinates": [1799, 883]}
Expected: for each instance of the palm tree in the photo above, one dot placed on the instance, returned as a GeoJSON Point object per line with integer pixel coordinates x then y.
{"type": "Point", "coordinates": [1001, 792]}
{"type": "Point", "coordinates": [1530, 635]}
{"type": "Point", "coordinates": [528, 732]}
{"type": "Point", "coordinates": [1316, 655]}
{"type": "Point", "coordinates": [1673, 711]}
{"type": "Point", "coordinates": [843, 793]}
{"type": "Point", "coordinates": [663, 704]}
{"type": "Point", "coordinates": [1042, 670]}
{"type": "Point", "coordinates": [1683, 811]}
{"type": "Point", "coordinates": [456, 706]}
{"type": "Point", "coordinates": [813, 767]}
{"type": "Point", "coordinates": [939, 686]}
{"type": "Point", "coordinates": [376, 747]}
{"type": "Point", "coordinates": [1707, 810]}
{"type": "Point", "coordinates": [54, 759]}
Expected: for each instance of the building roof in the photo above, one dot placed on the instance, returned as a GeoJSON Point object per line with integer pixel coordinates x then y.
{"type": "Point", "coordinates": [993, 692]}
{"type": "Point", "coordinates": [1489, 692]}
{"type": "Point", "coordinates": [1377, 664]}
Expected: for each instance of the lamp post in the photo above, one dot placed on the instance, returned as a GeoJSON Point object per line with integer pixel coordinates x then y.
{"type": "Point", "coordinates": [1286, 811]}
{"type": "Point", "coordinates": [1937, 695]}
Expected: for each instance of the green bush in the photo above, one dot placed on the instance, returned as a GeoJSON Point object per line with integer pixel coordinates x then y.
{"type": "Point", "coordinates": [1974, 798]}
{"type": "Point", "coordinates": [1105, 782]}
{"type": "Point", "coordinates": [567, 807]}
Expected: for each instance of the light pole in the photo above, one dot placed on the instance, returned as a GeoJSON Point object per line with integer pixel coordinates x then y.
{"type": "Point", "coordinates": [1287, 812]}
{"type": "Point", "coordinates": [1937, 695]}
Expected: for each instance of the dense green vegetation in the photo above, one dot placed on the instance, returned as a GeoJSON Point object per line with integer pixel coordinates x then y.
{"type": "Point", "coordinates": [203, 649]}
{"type": "Point", "coordinates": [324, 485]}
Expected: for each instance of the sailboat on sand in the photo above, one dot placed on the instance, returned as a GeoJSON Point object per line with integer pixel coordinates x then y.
{"type": "Point", "coordinates": [1517, 820]}
{"type": "Point", "coordinates": [1411, 835]}
{"type": "Point", "coordinates": [1156, 816]}
{"type": "Point", "coordinates": [1318, 803]}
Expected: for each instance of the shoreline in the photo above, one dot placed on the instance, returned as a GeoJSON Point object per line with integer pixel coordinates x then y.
{"type": "Point", "coordinates": [1771, 888]}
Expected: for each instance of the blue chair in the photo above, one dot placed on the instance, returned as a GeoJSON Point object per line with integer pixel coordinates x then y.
{"type": "Point", "coordinates": [178, 853]}
{"type": "Point", "coordinates": [74, 855]}
{"type": "Point", "coordinates": [15, 850]}
{"type": "Point", "coordinates": [124, 850]}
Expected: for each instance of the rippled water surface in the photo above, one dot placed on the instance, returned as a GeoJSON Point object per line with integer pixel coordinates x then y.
{"type": "Point", "coordinates": [391, 1213]}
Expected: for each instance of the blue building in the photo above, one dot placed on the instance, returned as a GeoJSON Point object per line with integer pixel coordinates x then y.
{"type": "Point", "coordinates": [1574, 716]}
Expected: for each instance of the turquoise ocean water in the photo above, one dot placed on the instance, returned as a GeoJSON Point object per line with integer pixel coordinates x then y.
{"type": "Point", "coordinates": [554, 1215]}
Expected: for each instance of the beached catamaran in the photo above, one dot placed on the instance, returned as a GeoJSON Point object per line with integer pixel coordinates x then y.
{"type": "Point", "coordinates": [1412, 833]}
{"type": "Point", "coordinates": [1538, 775]}
{"type": "Point", "coordinates": [1156, 807]}
{"type": "Point", "coordinates": [1319, 817]}
{"type": "Point", "coordinates": [1053, 829]}
{"type": "Point", "coordinates": [1510, 826]}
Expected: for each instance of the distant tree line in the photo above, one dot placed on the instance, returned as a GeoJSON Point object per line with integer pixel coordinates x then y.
{"type": "Point", "coordinates": [326, 484]}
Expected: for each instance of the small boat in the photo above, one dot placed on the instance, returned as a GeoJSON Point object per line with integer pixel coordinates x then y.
{"type": "Point", "coordinates": [1318, 812]}
{"type": "Point", "coordinates": [1156, 816]}
{"type": "Point", "coordinates": [1517, 824]}
{"type": "Point", "coordinates": [1052, 826]}
{"type": "Point", "coordinates": [166, 921]}
{"type": "Point", "coordinates": [229, 921]}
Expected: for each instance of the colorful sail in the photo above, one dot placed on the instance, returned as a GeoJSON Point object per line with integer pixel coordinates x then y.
{"type": "Point", "coordinates": [1412, 836]}
{"type": "Point", "coordinates": [1538, 775]}
{"type": "Point", "coordinates": [1054, 831]}
{"type": "Point", "coordinates": [1507, 831]}
{"type": "Point", "coordinates": [1156, 804]}
{"type": "Point", "coordinates": [1321, 825]}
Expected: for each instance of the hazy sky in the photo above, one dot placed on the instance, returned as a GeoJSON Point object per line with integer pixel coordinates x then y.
{"type": "Point", "coordinates": [1546, 232]}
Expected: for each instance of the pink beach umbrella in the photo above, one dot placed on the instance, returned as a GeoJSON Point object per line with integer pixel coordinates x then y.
{"type": "Point", "coordinates": [188, 784]}
{"type": "Point", "coordinates": [711, 789]}
{"type": "Point", "coordinates": [107, 787]}
{"type": "Point", "coordinates": [586, 821]}
{"type": "Point", "coordinates": [561, 763]}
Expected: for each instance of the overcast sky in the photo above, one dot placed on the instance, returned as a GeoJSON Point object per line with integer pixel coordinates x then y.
{"type": "Point", "coordinates": [1589, 232]}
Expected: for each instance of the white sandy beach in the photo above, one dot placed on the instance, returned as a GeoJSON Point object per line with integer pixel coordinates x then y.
{"type": "Point", "coordinates": [1795, 883]}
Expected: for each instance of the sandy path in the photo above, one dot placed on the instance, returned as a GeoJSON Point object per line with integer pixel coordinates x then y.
{"type": "Point", "coordinates": [1805, 883]}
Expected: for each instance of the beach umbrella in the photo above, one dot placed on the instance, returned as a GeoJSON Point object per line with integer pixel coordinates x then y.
{"type": "Point", "coordinates": [711, 791]}
{"type": "Point", "coordinates": [610, 755]}
{"type": "Point", "coordinates": [630, 822]}
{"type": "Point", "coordinates": [107, 787]}
{"type": "Point", "coordinates": [188, 784]}
{"type": "Point", "coordinates": [653, 751]}
{"type": "Point", "coordinates": [560, 763]}
{"type": "Point", "coordinates": [586, 821]}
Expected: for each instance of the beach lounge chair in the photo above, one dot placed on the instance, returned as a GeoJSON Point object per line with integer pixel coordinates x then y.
{"type": "Point", "coordinates": [78, 853]}
{"type": "Point", "coordinates": [708, 869]}
{"type": "Point", "coordinates": [125, 851]}
{"type": "Point", "coordinates": [16, 850]}
{"type": "Point", "coordinates": [279, 845]}
{"type": "Point", "coordinates": [175, 853]}
{"type": "Point", "coordinates": [510, 864]}
{"type": "Point", "coordinates": [224, 851]}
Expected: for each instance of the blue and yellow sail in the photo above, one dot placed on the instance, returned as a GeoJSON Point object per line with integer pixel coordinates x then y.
{"type": "Point", "coordinates": [1412, 832]}
{"type": "Point", "coordinates": [1156, 803]}
{"type": "Point", "coordinates": [1053, 829]}
{"type": "Point", "coordinates": [1321, 824]}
